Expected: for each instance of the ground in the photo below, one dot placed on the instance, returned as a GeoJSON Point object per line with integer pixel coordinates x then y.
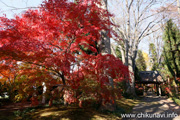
{"type": "Point", "coordinates": [18, 111]}
{"type": "Point", "coordinates": [156, 107]}
{"type": "Point", "coordinates": [150, 104]}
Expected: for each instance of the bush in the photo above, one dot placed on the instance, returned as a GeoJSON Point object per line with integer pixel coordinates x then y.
{"type": "Point", "coordinates": [139, 90]}
{"type": "Point", "coordinates": [24, 113]}
{"type": "Point", "coordinates": [165, 90]}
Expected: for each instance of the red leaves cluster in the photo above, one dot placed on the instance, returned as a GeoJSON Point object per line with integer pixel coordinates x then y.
{"type": "Point", "coordinates": [51, 40]}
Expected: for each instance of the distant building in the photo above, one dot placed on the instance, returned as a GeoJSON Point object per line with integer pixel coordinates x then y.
{"type": "Point", "coordinates": [150, 77]}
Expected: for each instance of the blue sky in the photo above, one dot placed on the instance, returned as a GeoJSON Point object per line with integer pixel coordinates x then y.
{"type": "Point", "coordinates": [11, 7]}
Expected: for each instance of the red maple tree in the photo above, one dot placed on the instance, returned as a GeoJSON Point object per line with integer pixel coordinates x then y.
{"type": "Point", "coordinates": [61, 37]}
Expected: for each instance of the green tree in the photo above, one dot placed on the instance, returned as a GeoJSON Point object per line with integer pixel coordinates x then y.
{"type": "Point", "coordinates": [140, 61]}
{"type": "Point", "coordinates": [171, 53]}
{"type": "Point", "coordinates": [153, 56]}
{"type": "Point", "coordinates": [118, 52]}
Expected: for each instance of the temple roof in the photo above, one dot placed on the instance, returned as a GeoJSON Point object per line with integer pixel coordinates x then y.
{"type": "Point", "coordinates": [150, 77]}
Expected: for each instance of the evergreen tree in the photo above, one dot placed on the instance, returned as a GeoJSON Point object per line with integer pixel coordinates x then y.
{"type": "Point", "coordinates": [118, 52]}
{"type": "Point", "coordinates": [153, 56]}
{"type": "Point", "coordinates": [140, 62]}
{"type": "Point", "coordinates": [171, 51]}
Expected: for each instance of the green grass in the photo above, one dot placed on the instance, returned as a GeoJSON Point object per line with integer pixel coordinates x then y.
{"type": "Point", "coordinates": [127, 104]}
{"type": "Point", "coordinates": [176, 100]}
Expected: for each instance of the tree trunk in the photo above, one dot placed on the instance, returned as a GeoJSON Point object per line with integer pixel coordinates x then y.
{"type": "Point", "coordinates": [169, 83]}
{"type": "Point", "coordinates": [175, 86]}
{"type": "Point", "coordinates": [113, 51]}
{"type": "Point", "coordinates": [178, 6]}
{"type": "Point", "coordinates": [122, 54]}
{"type": "Point", "coordinates": [44, 91]}
{"type": "Point", "coordinates": [105, 48]}
{"type": "Point", "coordinates": [159, 90]}
{"type": "Point", "coordinates": [132, 78]}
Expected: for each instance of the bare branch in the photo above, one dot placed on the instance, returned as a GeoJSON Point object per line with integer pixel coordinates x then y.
{"type": "Point", "coordinates": [16, 8]}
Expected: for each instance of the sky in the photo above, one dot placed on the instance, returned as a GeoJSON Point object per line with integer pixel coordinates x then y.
{"type": "Point", "coordinates": [12, 7]}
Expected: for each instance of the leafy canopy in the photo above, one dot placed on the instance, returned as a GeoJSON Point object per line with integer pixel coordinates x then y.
{"type": "Point", "coordinates": [171, 38]}
{"type": "Point", "coordinates": [53, 41]}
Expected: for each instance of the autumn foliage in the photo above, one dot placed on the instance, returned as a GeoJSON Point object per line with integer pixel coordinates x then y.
{"type": "Point", "coordinates": [58, 44]}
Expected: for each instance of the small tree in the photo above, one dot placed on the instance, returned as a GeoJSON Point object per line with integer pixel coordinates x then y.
{"type": "Point", "coordinates": [153, 57]}
{"type": "Point", "coordinates": [140, 62]}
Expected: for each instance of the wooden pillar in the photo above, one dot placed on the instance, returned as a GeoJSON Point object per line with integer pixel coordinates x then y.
{"type": "Point", "coordinates": [154, 87]}
{"type": "Point", "coordinates": [157, 89]}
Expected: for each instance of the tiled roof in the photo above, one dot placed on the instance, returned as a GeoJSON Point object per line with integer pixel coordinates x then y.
{"type": "Point", "coordinates": [150, 76]}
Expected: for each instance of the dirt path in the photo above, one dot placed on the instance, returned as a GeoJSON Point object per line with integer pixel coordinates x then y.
{"type": "Point", "coordinates": [15, 106]}
{"type": "Point", "coordinates": [154, 107]}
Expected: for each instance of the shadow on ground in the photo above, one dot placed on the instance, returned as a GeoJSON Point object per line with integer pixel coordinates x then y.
{"type": "Point", "coordinates": [154, 107]}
